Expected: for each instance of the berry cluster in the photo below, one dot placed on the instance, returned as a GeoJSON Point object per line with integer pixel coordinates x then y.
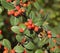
{"type": "Point", "coordinates": [18, 8]}
{"type": "Point", "coordinates": [31, 25]}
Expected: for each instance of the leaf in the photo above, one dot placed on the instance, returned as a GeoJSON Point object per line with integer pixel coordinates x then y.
{"type": "Point", "coordinates": [14, 20]}
{"type": "Point", "coordinates": [15, 29]}
{"type": "Point", "coordinates": [19, 38]}
{"type": "Point", "coordinates": [30, 46]}
{"type": "Point", "coordinates": [36, 5]}
{"type": "Point", "coordinates": [19, 49]}
{"type": "Point", "coordinates": [24, 1]}
{"type": "Point", "coordinates": [6, 43]}
{"type": "Point", "coordinates": [7, 5]}
{"type": "Point", "coordinates": [39, 51]}
{"type": "Point", "coordinates": [42, 42]}
{"type": "Point", "coordinates": [17, 2]}
{"type": "Point", "coordinates": [1, 36]}
{"type": "Point", "coordinates": [22, 26]}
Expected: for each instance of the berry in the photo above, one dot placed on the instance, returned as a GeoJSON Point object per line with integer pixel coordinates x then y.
{"type": "Point", "coordinates": [49, 32]}
{"type": "Point", "coordinates": [12, 11]}
{"type": "Point", "coordinates": [25, 51]}
{"type": "Point", "coordinates": [8, 0]}
{"type": "Point", "coordinates": [33, 26]}
{"type": "Point", "coordinates": [12, 51]}
{"type": "Point", "coordinates": [16, 13]}
{"type": "Point", "coordinates": [58, 36]}
{"type": "Point", "coordinates": [0, 31]}
{"type": "Point", "coordinates": [29, 27]}
{"type": "Point", "coordinates": [21, 30]}
{"type": "Point", "coordinates": [9, 13]}
{"type": "Point", "coordinates": [36, 29]}
{"type": "Point", "coordinates": [26, 23]}
{"type": "Point", "coordinates": [49, 36]}
{"type": "Point", "coordinates": [17, 7]}
{"type": "Point", "coordinates": [54, 40]}
{"type": "Point", "coordinates": [24, 5]}
{"type": "Point", "coordinates": [22, 10]}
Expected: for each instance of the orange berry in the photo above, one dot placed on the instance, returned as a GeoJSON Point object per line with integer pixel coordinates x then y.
{"type": "Point", "coordinates": [12, 51]}
{"type": "Point", "coordinates": [9, 13]}
{"type": "Point", "coordinates": [22, 10]}
{"type": "Point", "coordinates": [8, 0]}
{"type": "Point", "coordinates": [5, 51]}
{"type": "Point", "coordinates": [54, 40]}
{"type": "Point", "coordinates": [58, 36]}
{"type": "Point", "coordinates": [49, 32]}
{"type": "Point", "coordinates": [0, 31]}
{"type": "Point", "coordinates": [24, 51]}
{"type": "Point", "coordinates": [17, 7]}
{"type": "Point", "coordinates": [29, 26]}
{"type": "Point", "coordinates": [49, 36]}
{"type": "Point", "coordinates": [26, 23]}
{"type": "Point", "coordinates": [21, 30]}
{"type": "Point", "coordinates": [24, 5]}
{"type": "Point", "coordinates": [16, 13]}
{"type": "Point", "coordinates": [33, 26]}
{"type": "Point", "coordinates": [36, 29]}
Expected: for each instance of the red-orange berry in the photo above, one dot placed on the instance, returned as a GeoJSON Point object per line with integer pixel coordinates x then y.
{"type": "Point", "coordinates": [16, 13]}
{"type": "Point", "coordinates": [58, 36]}
{"type": "Point", "coordinates": [23, 10]}
{"type": "Point", "coordinates": [24, 51]}
{"type": "Point", "coordinates": [12, 51]}
{"type": "Point", "coordinates": [49, 36]}
{"type": "Point", "coordinates": [8, 0]}
{"type": "Point", "coordinates": [21, 30]}
{"type": "Point", "coordinates": [0, 31]}
{"type": "Point", "coordinates": [9, 13]}
{"type": "Point", "coordinates": [54, 40]}
{"type": "Point", "coordinates": [26, 23]}
{"type": "Point", "coordinates": [12, 11]}
{"type": "Point", "coordinates": [17, 7]}
{"type": "Point", "coordinates": [49, 32]}
{"type": "Point", "coordinates": [33, 26]}
{"type": "Point", "coordinates": [36, 29]}
{"type": "Point", "coordinates": [24, 5]}
{"type": "Point", "coordinates": [20, 11]}
{"type": "Point", "coordinates": [29, 26]}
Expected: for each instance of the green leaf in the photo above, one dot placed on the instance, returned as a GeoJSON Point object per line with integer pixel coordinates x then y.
{"type": "Point", "coordinates": [42, 42]}
{"type": "Point", "coordinates": [14, 20]}
{"type": "Point", "coordinates": [19, 38]}
{"type": "Point", "coordinates": [36, 5]}
{"type": "Point", "coordinates": [22, 26]}
{"type": "Point", "coordinates": [30, 46]}
{"type": "Point", "coordinates": [15, 29]}
{"type": "Point", "coordinates": [7, 5]}
{"type": "Point", "coordinates": [17, 2]}
{"type": "Point", "coordinates": [24, 1]}
{"type": "Point", "coordinates": [1, 36]}
{"type": "Point", "coordinates": [6, 43]}
{"type": "Point", "coordinates": [19, 49]}
{"type": "Point", "coordinates": [39, 51]}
